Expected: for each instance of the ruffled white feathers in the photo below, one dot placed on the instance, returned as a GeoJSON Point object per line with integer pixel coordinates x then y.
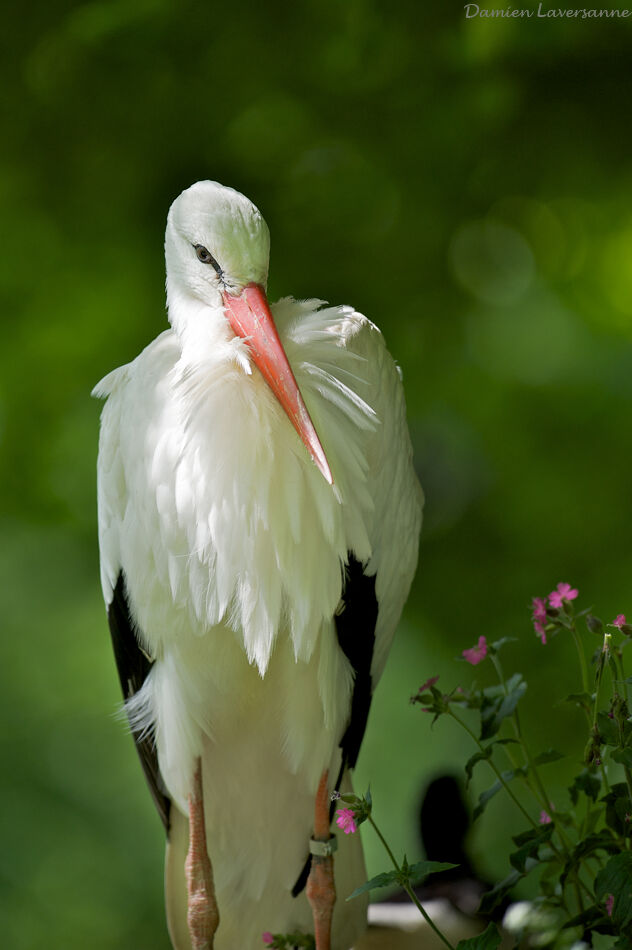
{"type": "Point", "coordinates": [219, 503]}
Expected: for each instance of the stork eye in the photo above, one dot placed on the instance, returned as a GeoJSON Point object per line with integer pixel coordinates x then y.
{"type": "Point", "coordinates": [206, 257]}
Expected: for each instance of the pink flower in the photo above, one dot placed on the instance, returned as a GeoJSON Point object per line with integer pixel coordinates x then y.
{"type": "Point", "coordinates": [619, 621]}
{"type": "Point", "coordinates": [609, 904]}
{"type": "Point", "coordinates": [539, 609]}
{"type": "Point", "coordinates": [545, 818]}
{"type": "Point", "coordinates": [475, 654]}
{"type": "Point", "coordinates": [428, 684]}
{"type": "Point", "coordinates": [563, 592]}
{"type": "Point", "coordinates": [539, 616]}
{"type": "Point", "coordinates": [267, 937]}
{"type": "Point", "coordinates": [345, 819]}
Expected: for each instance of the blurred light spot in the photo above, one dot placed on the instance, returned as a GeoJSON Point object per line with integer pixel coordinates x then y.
{"type": "Point", "coordinates": [367, 51]}
{"type": "Point", "coordinates": [483, 39]}
{"type": "Point", "coordinates": [534, 342]}
{"type": "Point", "coordinates": [540, 226]}
{"type": "Point", "coordinates": [616, 272]}
{"type": "Point", "coordinates": [572, 214]}
{"type": "Point", "coordinates": [492, 261]}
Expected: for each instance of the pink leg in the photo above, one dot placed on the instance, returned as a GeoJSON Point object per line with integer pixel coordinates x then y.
{"type": "Point", "coordinates": [321, 890]}
{"type": "Point", "coordinates": [203, 915]}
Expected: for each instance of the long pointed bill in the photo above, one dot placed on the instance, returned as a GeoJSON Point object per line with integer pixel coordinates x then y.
{"type": "Point", "coordinates": [250, 317]}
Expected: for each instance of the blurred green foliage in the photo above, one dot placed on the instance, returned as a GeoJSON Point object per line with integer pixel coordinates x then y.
{"type": "Point", "coordinates": [468, 185]}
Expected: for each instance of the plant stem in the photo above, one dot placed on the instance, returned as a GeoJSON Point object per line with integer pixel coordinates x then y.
{"type": "Point", "coordinates": [579, 883]}
{"type": "Point", "coordinates": [597, 687]}
{"type": "Point", "coordinates": [582, 659]}
{"type": "Point", "coordinates": [494, 769]}
{"type": "Point", "coordinates": [409, 890]}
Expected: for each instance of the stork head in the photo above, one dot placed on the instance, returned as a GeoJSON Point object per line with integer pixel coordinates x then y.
{"type": "Point", "coordinates": [217, 247]}
{"type": "Point", "coordinates": [216, 242]}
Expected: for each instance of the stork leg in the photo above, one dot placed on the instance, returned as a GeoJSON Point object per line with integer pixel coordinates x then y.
{"type": "Point", "coordinates": [202, 913]}
{"type": "Point", "coordinates": [321, 890]}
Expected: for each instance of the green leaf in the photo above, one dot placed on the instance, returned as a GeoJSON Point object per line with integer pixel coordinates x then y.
{"type": "Point", "coordinates": [587, 919]}
{"type": "Point", "coordinates": [618, 805]}
{"type": "Point", "coordinates": [474, 760]}
{"type": "Point", "coordinates": [623, 756]}
{"type": "Point", "coordinates": [492, 898]}
{"type": "Point", "coordinates": [488, 940]}
{"type": "Point", "coordinates": [603, 941]}
{"type": "Point", "coordinates": [579, 699]}
{"type": "Point", "coordinates": [487, 795]}
{"type": "Point", "coordinates": [417, 872]}
{"type": "Point", "coordinates": [498, 705]}
{"type": "Point", "coordinates": [600, 841]}
{"type": "Point", "coordinates": [586, 782]}
{"type": "Point", "coordinates": [483, 756]}
{"type": "Point", "coordinates": [381, 880]}
{"type": "Point", "coordinates": [551, 755]}
{"type": "Point", "coordinates": [528, 845]}
{"type": "Point", "coordinates": [498, 644]}
{"type": "Point", "coordinates": [550, 876]}
{"type": "Point", "coordinates": [615, 879]}
{"type": "Point", "coordinates": [608, 729]}
{"type": "Point", "coordinates": [592, 817]}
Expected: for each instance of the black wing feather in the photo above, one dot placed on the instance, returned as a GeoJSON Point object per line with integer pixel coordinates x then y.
{"type": "Point", "coordinates": [133, 668]}
{"type": "Point", "coordinates": [355, 628]}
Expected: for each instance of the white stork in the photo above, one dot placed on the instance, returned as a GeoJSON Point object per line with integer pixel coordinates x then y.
{"type": "Point", "coordinates": [259, 518]}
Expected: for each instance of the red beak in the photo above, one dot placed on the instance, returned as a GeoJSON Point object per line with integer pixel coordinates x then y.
{"type": "Point", "coordinates": [250, 317]}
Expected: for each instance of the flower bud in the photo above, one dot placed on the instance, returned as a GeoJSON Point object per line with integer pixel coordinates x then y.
{"type": "Point", "coordinates": [594, 624]}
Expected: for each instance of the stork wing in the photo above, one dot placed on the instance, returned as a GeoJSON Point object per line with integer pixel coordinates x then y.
{"type": "Point", "coordinates": [133, 668]}
{"type": "Point", "coordinates": [355, 627]}
{"type": "Point", "coordinates": [347, 362]}
{"type": "Point", "coordinates": [343, 355]}
{"type": "Point", "coordinates": [132, 661]}
{"type": "Point", "coordinates": [375, 592]}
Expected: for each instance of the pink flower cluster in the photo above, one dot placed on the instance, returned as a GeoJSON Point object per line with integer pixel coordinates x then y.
{"type": "Point", "coordinates": [556, 599]}
{"type": "Point", "coordinates": [539, 617]}
{"type": "Point", "coordinates": [428, 684]}
{"type": "Point", "coordinates": [345, 819]}
{"type": "Point", "coordinates": [561, 593]}
{"type": "Point", "coordinates": [475, 654]}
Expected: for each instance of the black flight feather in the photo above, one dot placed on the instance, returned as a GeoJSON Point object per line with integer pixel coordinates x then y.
{"type": "Point", "coordinates": [355, 628]}
{"type": "Point", "coordinates": [133, 668]}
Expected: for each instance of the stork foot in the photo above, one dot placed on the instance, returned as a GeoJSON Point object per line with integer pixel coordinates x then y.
{"type": "Point", "coordinates": [202, 912]}
{"type": "Point", "coordinates": [321, 890]}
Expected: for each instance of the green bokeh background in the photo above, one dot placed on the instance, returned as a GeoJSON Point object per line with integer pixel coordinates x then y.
{"type": "Point", "coordinates": [467, 183]}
